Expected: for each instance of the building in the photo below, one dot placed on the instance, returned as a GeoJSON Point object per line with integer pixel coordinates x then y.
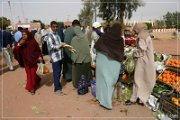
{"type": "Point", "coordinates": [67, 23]}
{"type": "Point", "coordinates": [30, 26]}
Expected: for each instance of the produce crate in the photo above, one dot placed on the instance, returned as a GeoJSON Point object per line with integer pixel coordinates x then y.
{"type": "Point", "coordinates": [175, 66]}
{"type": "Point", "coordinates": [173, 80]}
{"type": "Point", "coordinates": [173, 69]}
{"type": "Point", "coordinates": [161, 88]}
{"type": "Point", "coordinates": [168, 107]}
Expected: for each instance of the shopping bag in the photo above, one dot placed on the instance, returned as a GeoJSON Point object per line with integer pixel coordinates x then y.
{"type": "Point", "coordinates": [42, 69]}
{"type": "Point", "coordinates": [93, 87]}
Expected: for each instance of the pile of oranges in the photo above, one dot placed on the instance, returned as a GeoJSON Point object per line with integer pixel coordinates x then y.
{"type": "Point", "coordinates": [173, 62]}
{"type": "Point", "coordinates": [169, 78]}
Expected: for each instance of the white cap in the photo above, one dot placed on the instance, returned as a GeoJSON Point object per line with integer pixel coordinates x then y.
{"type": "Point", "coordinates": [96, 24]}
{"type": "Point", "coordinates": [43, 32]}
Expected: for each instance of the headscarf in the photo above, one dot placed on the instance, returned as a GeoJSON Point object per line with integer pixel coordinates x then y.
{"type": "Point", "coordinates": [60, 33]}
{"type": "Point", "coordinates": [81, 45]}
{"type": "Point", "coordinates": [141, 30]}
{"type": "Point", "coordinates": [111, 43]}
{"type": "Point", "coordinates": [29, 52]}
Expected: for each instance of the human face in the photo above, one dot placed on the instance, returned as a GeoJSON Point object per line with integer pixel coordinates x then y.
{"type": "Point", "coordinates": [24, 36]}
{"type": "Point", "coordinates": [54, 27]}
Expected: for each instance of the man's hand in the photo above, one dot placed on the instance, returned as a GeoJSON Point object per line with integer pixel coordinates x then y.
{"type": "Point", "coordinates": [72, 50]}
{"type": "Point", "coordinates": [64, 45]}
{"type": "Point", "coordinates": [8, 46]}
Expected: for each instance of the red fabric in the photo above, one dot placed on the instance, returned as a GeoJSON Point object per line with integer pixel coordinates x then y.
{"type": "Point", "coordinates": [29, 52]}
{"type": "Point", "coordinates": [32, 78]}
{"type": "Point", "coordinates": [18, 56]}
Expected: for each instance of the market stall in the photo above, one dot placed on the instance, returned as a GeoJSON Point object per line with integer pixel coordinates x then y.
{"type": "Point", "coordinates": [166, 93]}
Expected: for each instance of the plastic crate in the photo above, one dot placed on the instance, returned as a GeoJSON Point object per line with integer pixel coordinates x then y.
{"type": "Point", "coordinates": [168, 107]}
{"type": "Point", "coordinates": [157, 93]}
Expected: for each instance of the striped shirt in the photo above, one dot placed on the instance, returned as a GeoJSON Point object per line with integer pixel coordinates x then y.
{"type": "Point", "coordinates": [54, 46]}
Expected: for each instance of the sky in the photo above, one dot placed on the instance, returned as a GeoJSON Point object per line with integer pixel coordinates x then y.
{"type": "Point", "coordinates": [63, 10]}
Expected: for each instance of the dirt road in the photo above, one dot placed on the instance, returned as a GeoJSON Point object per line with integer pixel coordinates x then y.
{"type": "Point", "coordinates": [16, 103]}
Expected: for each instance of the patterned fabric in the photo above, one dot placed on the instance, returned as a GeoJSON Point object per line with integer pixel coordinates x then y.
{"type": "Point", "coordinates": [54, 46]}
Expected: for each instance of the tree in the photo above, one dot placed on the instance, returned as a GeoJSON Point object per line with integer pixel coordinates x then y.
{"type": "Point", "coordinates": [4, 22]}
{"type": "Point", "coordinates": [149, 26]}
{"type": "Point", "coordinates": [60, 23]}
{"type": "Point", "coordinates": [86, 14]}
{"type": "Point", "coordinates": [171, 19]}
{"type": "Point", "coordinates": [159, 24]}
{"type": "Point", "coordinates": [118, 9]}
{"type": "Point", "coordinates": [39, 21]}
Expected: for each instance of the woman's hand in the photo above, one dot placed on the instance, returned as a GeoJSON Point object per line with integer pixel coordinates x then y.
{"type": "Point", "coordinates": [21, 42]}
{"type": "Point", "coordinates": [40, 59]}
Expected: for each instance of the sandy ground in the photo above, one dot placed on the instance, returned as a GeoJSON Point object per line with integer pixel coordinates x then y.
{"type": "Point", "coordinates": [16, 103]}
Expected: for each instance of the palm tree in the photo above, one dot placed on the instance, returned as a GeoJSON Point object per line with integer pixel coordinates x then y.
{"type": "Point", "coordinates": [118, 9]}
{"type": "Point", "coordinates": [86, 15]}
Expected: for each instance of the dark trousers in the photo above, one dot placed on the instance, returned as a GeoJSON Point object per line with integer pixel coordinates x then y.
{"type": "Point", "coordinates": [56, 66]}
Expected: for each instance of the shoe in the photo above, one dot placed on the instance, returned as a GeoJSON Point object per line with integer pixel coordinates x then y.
{"type": "Point", "coordinates": [128, 102]}
{"type": "Point", "coordinates": [32, 92]}
{"type": "Point", "coordinates": [69, 80]}
{"type": "Point", "coordinates": [38, 82]}
{"type": "Point", "coordinates": [11, 69]}
{"type": "Point", "coordinates": [139, 102]}
{"type": "Point", "coordinates": [58, 92]}
{"type": "Point", "coordinates": [105, 107]}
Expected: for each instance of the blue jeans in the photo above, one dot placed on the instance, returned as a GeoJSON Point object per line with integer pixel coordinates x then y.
{"type": "Point", "coordinates": [56, 66]}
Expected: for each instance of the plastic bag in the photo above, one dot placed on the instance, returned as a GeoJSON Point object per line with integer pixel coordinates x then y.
{"type": "Point", "coordinates": [93, 87]}
{"type": "Point", "coordinates": [82, 86]}
{"type": "Point", "coordinates": [42, 69]}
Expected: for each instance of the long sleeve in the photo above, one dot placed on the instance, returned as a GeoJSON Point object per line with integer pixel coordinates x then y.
{"type": "Point", "coordinates": [141, 48]}
{"type": "Point", "coordinates": [18, 56]}
{"type": "Point", "coordinates": [52, 43]}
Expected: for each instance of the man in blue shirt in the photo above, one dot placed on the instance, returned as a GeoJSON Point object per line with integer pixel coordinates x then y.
{"type": "Point", "coordinates": [55, 47]}
{"type": "Point", "coordinates": [6, 42]}
{"type": "Point", "coordinates": [18, 34]}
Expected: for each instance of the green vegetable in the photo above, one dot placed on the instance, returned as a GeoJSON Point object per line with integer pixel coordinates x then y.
{"type": "Point", "coordinates": [159, 88]}
{"type": "Point", "coordinates": [130, 65]}
{"type": "Point", "coordinates": [157, 57]}
{"type": "Point", "coordinates": [126, 93]}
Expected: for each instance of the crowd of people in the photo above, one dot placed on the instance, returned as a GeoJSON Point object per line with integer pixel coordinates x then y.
{"type": "Point", "coordinates": [73, 52]}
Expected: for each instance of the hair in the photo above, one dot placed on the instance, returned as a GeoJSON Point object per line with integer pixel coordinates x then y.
{"type": "Point", "coordinates": [4, 27]}
{"type": "Point", "coordinates": [20, 28]}
{"type": "Point", "coordinates": [53, 22]}
{"type": "Point", "coordinates": [76, 22]}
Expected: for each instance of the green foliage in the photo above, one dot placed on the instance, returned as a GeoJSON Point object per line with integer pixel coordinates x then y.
{"type": "Point", "coordinates": [86, 14]}
{"type": "Point", "coordinates": [60, 23]}
{"type": "Point", "coordinates": [159, 24]}
{"type": "Point", "coordinates": [4, 22]}
{"type": "Point", "coordinates": [110, 9]}
{"type": "Point", "coordinates": [174, 34]}
{"type": "Point", "coordinates": [149, 25]}
{"type": "Point", "coordinates": [172, 20]}
{"type": "Point", "coordinates": [39, 21]}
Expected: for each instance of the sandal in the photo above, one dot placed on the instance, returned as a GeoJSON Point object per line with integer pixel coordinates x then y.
{"type": "Point", "coordinates": [128, 102]}
{"type": "Point", "coordinates": [139, 102]}
{"type": "Point", "coordinates": [32, 92]}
